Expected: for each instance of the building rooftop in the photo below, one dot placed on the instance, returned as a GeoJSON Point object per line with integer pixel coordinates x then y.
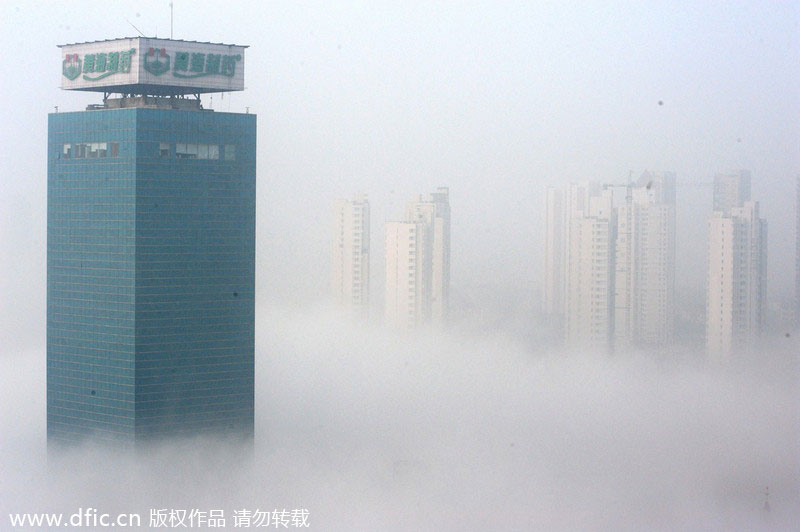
{"type": "Point", "coordinates": [159, 38]}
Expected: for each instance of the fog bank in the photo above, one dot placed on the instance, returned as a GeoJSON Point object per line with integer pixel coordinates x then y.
{"type": "Point", "coordinates": [371, 430]}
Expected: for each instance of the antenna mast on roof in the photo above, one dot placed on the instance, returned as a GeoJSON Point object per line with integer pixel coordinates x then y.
{"type": "Point", "coordinates": [170, 20]}
{"type": "Point", "coordinates": [134, 27]}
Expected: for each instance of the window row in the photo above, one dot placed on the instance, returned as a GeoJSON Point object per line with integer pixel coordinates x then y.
{"type": "Point", "coordinates": [95, 150]}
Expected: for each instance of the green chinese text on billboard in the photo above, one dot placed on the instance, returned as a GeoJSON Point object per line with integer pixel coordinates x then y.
{"type": "Point", "coordinates": [190, 64]}
{"type": "Point", "coordinates": [96, 66]}
{"type": "Point", "coordinates": [157, 61]}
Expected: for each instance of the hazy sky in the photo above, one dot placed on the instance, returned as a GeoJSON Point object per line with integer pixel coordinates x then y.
{"type": "Point", "coordinates": [494, 100]}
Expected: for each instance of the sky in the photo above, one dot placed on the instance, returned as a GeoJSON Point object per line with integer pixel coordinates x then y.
{"type": "Point", "coordinates": [496, 101]}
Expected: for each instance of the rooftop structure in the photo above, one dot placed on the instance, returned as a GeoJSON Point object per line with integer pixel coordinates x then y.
{"type": "Point", "coordinates": [152, 66]}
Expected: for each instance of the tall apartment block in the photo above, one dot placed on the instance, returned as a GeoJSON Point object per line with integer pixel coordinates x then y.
{"type": "Point", "coordinates": [589, 268]}
{"type": "Point", "coordinates": [737, 267]}
{"type": "Point", "coordinates": [644, 300]}
{"type": "Point", "coordinates": [150, 246]}
{"type": "Point", "coordinates": [350, 264]}
{"type": "Point", "coordinates": [579, 276]}
{"type": "Point", "coordinates": [571, 216]}
{"type": "Point", "coordinates": [609, 271]}
{"type": "Point", "coordinates": [562, 204]}
{"type": "Point", "coordinates": [418, 263]}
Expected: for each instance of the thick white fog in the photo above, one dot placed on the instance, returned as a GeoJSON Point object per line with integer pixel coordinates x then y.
{"type": "Point", "coordinates": [372, 431]}
{"type": "Point", "coordinates": [488, 425]}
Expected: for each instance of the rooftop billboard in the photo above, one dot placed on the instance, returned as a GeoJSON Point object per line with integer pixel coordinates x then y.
{"type": "Point", "coordinates": [143, 65]}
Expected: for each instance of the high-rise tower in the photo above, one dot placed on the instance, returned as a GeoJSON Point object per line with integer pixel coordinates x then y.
{"type": "Point", "coordinates": [350, 261]}
{"type": "Point", "coordinates": [418, 263]}
{"type": "Point", "coordinates": [737, 270]}
{"type": "Point", "coordinates": [150, 245]}
{"type": "Point", "coordinates": [609, 272]}
{"type": "Point", "coordinates": [589, 268]}
{"type": "Point", "coordinates": [644, 300]}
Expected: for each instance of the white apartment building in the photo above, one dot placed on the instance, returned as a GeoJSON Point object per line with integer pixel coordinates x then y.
{"type": "Point", "coordinates": [561, 203]}
{"type": "Point", "coordinates": [737, 273]}
{"type": "Point", "coordinates": [644, 299]}
{"type": "Point", "coordinates": [418, 263]}
{"type": "Point", "coordinates": [589, 268]}
{"type": "Point", "coordinates": [350, 258]}
{"type": "Point", "coordinates": [406, 275]}
{"type": "Point", "coordinates": [434, 212]}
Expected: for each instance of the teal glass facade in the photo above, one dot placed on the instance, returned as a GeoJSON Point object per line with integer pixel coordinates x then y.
{"type": "Point", "coordinates": [150, 273]}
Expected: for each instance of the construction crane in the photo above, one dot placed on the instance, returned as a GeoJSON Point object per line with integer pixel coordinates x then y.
{"type": "Point", "coordinates": [629, 184]}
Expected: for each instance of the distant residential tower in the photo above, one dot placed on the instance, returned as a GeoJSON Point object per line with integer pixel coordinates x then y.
{"type": "Point", "coordinates": [589, 268]}
{"type": "Point", "coordinates": [418, 263]}
{"type": "Point", "coordinates": [644, 299]}
{"type": "Point", "coordinates": [350, 264]}
{"type": "Point", "coordinates": [737, 268]}
{"type": "Point", "coordinates": [609, 271]}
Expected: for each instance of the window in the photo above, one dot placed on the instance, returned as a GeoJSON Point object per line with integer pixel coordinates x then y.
{"type": "Point", "coordinates": [83, 150]}
{"type": "Point", "coordinates": [163, 149]}
{"type": "Point", "coordinates": [196, 151]}
{"type": "Point", "coordinates": [185, 151]}
{"type": "Point", "coordinates": [230, 152]}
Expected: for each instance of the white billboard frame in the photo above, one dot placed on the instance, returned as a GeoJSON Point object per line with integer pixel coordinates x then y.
{"type": "Point", "coordinates": [145, 65]}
